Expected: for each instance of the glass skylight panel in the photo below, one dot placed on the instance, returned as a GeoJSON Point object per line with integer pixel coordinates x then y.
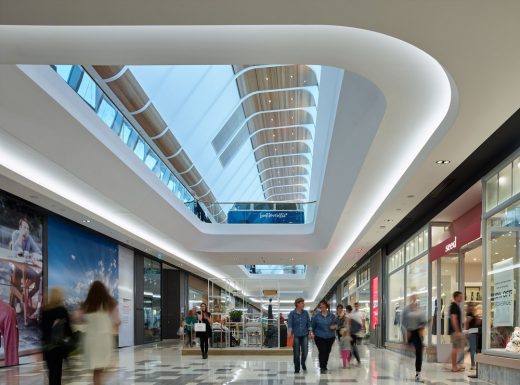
{"type": "Point", "coordinates": [89, 91]}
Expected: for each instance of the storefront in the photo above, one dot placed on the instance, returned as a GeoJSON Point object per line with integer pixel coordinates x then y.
{"type": "Point", "coordinates": [501, 234]}
{"type": "Point", "coordinates": [407, 275]}
{"type": "Point", "coordinates": [456, 265]}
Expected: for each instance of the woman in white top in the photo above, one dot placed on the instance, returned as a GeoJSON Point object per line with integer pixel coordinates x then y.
{"type": "Point", "coordinates": [102, 319]}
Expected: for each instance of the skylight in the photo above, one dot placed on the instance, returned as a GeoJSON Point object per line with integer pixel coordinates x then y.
{"type": "Point", "coordinates": [215, 134]}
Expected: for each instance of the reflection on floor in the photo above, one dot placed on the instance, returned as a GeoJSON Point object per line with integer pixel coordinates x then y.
{"type": "Point", "coordinates": [162, 363]}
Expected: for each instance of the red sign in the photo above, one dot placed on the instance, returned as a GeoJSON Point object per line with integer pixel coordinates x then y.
{"type": "Point", "coordinates": [466, 229]}
{"type": "Point", "coordinates": [375, 302]}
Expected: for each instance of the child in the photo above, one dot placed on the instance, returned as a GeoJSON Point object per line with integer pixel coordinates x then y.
{"type": "Point", "coordinates": [345, 347]}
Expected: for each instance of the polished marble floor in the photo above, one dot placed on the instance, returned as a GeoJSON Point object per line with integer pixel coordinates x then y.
{"type": "Point", "coordinates": [162, 363]}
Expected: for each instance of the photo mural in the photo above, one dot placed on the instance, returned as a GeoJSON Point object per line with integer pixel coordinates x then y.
{"type": "Point", "coordinates": [77, 257]}
{"type": "Point", "coordinates": [21, 283]}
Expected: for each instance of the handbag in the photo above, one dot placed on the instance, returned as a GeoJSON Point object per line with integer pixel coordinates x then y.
{"type": "Point", "coordinates": [200, 327]}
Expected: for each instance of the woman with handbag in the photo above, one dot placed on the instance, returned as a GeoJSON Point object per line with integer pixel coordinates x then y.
{"type": "Point", "coordinates": [414, 321]}
{"type": "Point", "coordinates": [57, 337]}
{"type": "Point", "coordinates": [203, 329]}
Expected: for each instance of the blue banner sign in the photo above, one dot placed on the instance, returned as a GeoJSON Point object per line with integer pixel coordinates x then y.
{"type": "Point", "coordinates": [271, 216]}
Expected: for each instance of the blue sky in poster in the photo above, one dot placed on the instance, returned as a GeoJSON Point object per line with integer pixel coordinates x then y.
{"type": "Point", "coordinates": [77, 257]}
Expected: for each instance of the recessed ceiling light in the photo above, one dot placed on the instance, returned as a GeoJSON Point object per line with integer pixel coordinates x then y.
{"type": "Point", "coordinates": [382, 227]}
{"type": "Point", "coordinates": [292, 76]}
{"type": "Point", "coordinates": [86, 221]}
{"type": "Point", "coordinates": [474, 259]}
{"type": "Point", "coordinates": [269, 100]}
{"type": "Point", "coordinates": [266, 78]}
{"type": "Point", "coordinates": [442, 161]}
{"type": "Point", "coordinates": [389, 220]}
{"type": "Point", "coordinates": [410, 196]}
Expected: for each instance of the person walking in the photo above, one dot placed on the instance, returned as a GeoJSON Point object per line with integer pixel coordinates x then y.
{"type": "Point", "coordinates": [414, 322]}
{"type": "Point", "coordinates": [102, 318]}
{"type": "Point", "coordinates": [345, 346]}
{"type": "Point", "coordinates": [355, 327]}
{"type": "Point", "coordinates": [472, 326]}
{"type": "Point", "coordinates": [324, 325]}
{"type": "Point", "coordinates": [57, 336]}
{"type": "Point", "coordinates": [455, 331]}
{"type": "Point", "coordinates": [299, 326]}
{"type": "Point", "coordinates": [341, 319]}
{"type": "Point", "coordinates": [203, 317]}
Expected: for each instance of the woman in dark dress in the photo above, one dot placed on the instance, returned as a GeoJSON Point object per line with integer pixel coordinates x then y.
{"type": "Point", "coordinates": [203, 317]}
{"type": "Point", "coordinates": [56, 330]}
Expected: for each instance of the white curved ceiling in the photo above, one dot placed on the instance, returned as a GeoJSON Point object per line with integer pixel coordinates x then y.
{"type": "Point", "coordinates": [378, 179]}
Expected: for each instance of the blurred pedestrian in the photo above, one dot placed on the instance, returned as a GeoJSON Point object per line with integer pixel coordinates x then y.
{"type": "Point", "coordinates": [355, 328]}
{"type": "Point", "coordinates": [57, 337]}
{"type": "Point", "coordinates": [414, 322]}
{"type": "Point", "coordinates": [472, 325]}
{"type": "Point", "coordinates": [101, 315]}
{"type": "Point", "coordinates": [341, 319]}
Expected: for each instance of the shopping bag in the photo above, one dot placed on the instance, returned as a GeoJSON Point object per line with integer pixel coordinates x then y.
{"type": "Point", "coordinates": [200, 327]}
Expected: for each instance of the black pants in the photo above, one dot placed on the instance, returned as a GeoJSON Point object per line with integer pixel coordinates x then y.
{"type": "Point", "coordinates": [54, 359]}
{"type": "Point", "coordinates": [416, 341]}
{"type": "Point", "coordinates": [356, 341]}
{"type": "Point", "coordinates": [204, 343]}
{"type": "Point", "coordinates": [324, 346]}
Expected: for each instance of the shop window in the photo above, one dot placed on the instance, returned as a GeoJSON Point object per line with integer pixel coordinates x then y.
{"type": "Point", "coordinates": [396, 305]}
{"type": "Point", "coordinates": [396, 260]}
{"type": "Point", "coordinates": [417, 282]}
{"type": "Point", "coordinates": [152, 300]}
{"type": "Point", "coordinates": [505, 177]}
{"type": "Point", "coordinates": [516, 176]}
{"type": "Point", "coordinates": [503, 282]}
{"type": "Point", "coordinates": [492, 192]}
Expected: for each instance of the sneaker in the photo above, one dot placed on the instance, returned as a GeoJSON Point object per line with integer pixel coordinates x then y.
{"type": "Point", "coordinates": [323, 371]}
{"type": "Point", "coordinates": [304, 368]}
{"type": "Point", "coordinates": [418, 378]}
{"type": "Point", "coordinates": [296, 371]}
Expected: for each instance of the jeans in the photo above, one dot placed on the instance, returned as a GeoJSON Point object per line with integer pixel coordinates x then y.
{"type": "Point", "coordinates": [324, 346]}
{"type": "Point", "coordinates": [355, 351]}
{"type": "Point", "coordinates": [300, 343]}
{"type": "Point", "coordinates": [472, 339]}
{"type": "Point", "coordinates": [416, 341]}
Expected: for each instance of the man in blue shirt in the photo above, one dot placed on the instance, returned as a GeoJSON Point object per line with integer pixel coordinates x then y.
{"type": "Point", "coordinates": [300, 327]}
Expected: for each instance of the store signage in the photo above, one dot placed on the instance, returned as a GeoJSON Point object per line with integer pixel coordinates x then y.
{"type": "Point", "coordinates": [502, 295]}
{"type": "Point", "coordinates": [451, 246]}
{"type": "Point", "coordinates": [375, 302]}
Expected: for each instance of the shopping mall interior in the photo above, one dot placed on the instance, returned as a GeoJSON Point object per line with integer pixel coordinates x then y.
{"type": "Point", "coordinates": [242, 155]}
